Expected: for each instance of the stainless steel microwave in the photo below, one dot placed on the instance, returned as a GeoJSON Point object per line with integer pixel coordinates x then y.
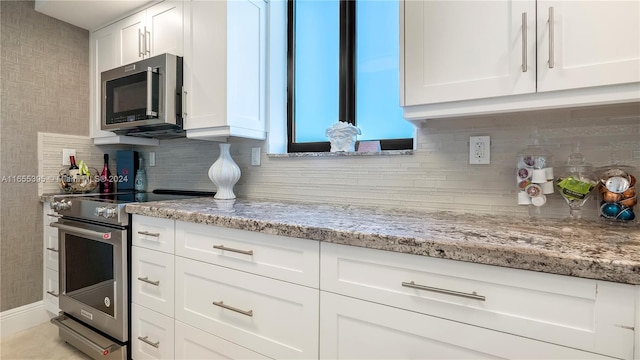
{"type": "Point", "coordinates": [144, 98]}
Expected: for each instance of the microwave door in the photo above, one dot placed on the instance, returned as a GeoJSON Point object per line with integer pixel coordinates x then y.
{"type": "Point", "coordinates": [132, 98]}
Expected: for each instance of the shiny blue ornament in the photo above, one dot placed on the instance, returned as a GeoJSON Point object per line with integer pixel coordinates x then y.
{"type": "Point", "coordinates": [626, 215]}
{"type": "Point", "coordinates": [610, 210]}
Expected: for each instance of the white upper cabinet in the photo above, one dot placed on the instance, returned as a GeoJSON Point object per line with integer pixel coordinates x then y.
{"type": "Point", "coordinates": [587, 43]}
{"type": "Point", "coordinates": [224, 70]}
{"type": "Point", "coordinates": [154, 31]}
{"type": "Point", "coordinates": [458, 50]}
{"type": "Point", "coordinates": [478, 57]}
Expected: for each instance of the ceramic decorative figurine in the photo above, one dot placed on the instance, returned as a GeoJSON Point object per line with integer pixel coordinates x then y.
{"type": "Point", "coordinates": [342, 136]}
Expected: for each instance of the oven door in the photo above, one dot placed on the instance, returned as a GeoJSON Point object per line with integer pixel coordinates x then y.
{"type": "Point", "coordinates": [94, 275]}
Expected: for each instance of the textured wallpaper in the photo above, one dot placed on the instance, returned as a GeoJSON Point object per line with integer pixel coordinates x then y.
{"type": "Point", "coordinates": [44, 76]}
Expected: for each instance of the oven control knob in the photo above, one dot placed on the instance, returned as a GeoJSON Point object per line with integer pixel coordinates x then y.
{"type": "Point", "coordinates": [110, 213]}
{"type": "Point", "coordinates": [99, 211]}
{"type": "Point", "coordinates": [61, 205]}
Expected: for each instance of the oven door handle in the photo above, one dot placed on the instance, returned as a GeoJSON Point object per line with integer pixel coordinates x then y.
{"type": "Point", "coordinates": [73, 229]}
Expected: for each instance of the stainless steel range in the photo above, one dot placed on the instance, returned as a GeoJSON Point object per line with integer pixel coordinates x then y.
{"type": "Point", "coordinates": [94, 235]}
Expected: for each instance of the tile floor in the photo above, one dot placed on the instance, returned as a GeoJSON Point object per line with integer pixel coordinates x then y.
{"type": "Point", "coordinates": [39, 342]}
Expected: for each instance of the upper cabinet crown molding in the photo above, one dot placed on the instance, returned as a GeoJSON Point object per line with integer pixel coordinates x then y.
{"type": "Point", "coordinates": [464, 58]}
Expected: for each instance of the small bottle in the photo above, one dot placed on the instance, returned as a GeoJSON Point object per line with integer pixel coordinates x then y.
{"type": "Point", "coordinates": [106, 182]}
{"type": "Point", "coordinates": [73, 169]}
{"type": "Point", "coordinates": [140, 182]}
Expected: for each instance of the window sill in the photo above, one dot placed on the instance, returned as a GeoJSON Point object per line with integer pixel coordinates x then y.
{"type": "Point", "coordinates": [341, 154]}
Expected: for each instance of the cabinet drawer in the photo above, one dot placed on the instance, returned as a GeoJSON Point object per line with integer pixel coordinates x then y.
{"type": "Point", "coordinates": [279, 257]}
{"type": "Point", "coordinates": [271, 317]}
{"type": "Point", "coordinates": [153, 233]}
{"type": "Point", "coordinates": [357, 329]}
{"type": "Point", "coordinates": [192, 343]}
{"type": "Point", "coordinates": [587, 314]}
{"type": "Point", "coordinates": [51, 291]}
{"type": "Point", "coordinates": [152, 279]}
{"type": "Point", "coordinates": [51, 250]}
{"type": "Point", "coordinates": [152, 334]}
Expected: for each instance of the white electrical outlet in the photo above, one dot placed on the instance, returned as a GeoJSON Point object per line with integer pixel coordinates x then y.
{"type": "Point", "coordinates": [479, 150]}
{"type": "Point", "coordinates": [255, 156]}
{"type": "Point", "coordinates": [65, 156]}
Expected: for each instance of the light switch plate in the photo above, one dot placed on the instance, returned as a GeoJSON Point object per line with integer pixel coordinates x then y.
{"type": "Point", "coordinates": [255, 156]}
{"type": "Point", "coordinates": [152, 158]}
{"type": "Point", "coordinates": [65, 155]}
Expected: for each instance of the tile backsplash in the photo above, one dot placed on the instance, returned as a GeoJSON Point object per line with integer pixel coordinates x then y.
{"type": "Point", "coordinates": [436, 177]}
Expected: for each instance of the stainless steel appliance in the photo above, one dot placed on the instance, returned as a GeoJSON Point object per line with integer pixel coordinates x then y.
{"type": "Point", "coordinates": [144, 98]}
{"type": "Point", "coordinates": [94, 233]}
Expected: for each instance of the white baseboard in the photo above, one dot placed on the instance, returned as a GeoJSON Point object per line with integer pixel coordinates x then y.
{"type": "Point", "coordinates": [21, 318]}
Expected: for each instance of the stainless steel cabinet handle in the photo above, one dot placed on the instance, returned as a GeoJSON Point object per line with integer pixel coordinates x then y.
{"type": "Point", "coordinates": [184, 102]}
{"type": "Point", "coordinates": [147, 40]}
{"type": "Point", "coordinates": [52, 249]}
{"type": "Point", "coordinates": [140, 41]}
{"type": "Point", "coordinates": [551, 37]}
{"type": "Point", "coordinates": [222, 247]}
{"type": "Point", "coordinates": [54, 215]}
{"type": "Point", "coordinates": [524, 42]}
{"type": "Point", "coordinates": [149, 233]}
{"type": "Point", "coordinates": [146, 341]}
{"type": "Point", "coordinates": [146, 279]}
{"type": "Point", "coordinates": [52, 293]}
{"type": "Point", "coordinates": [472, 295]}
{"type": "Point", "coordinates": [73, 229]}
{"type": "Point", "coordinates": [224, 306]}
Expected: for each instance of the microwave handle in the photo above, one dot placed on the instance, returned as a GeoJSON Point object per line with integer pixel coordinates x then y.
{"type": "Point", "coordinates": [150, 111]}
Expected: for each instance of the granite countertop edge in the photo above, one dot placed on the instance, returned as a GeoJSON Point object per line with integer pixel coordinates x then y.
{"type": "Point", "coordinates": [472, 247]}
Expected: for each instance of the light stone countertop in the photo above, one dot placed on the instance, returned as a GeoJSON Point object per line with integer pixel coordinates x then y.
{"type": "Point", "coordinates": [589, 249]}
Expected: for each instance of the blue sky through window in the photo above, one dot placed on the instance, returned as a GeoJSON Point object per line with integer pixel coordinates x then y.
{"type": "Point", "coordinates": [378, 112]}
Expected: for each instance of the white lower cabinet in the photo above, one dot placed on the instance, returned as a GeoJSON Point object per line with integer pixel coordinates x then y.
{"type": "Point", "coordinates": [51, 289]}
{"type": "Point", "coordinates": [152, 277]}
{"type": "Point", "coordinates": [594, 316]}
{"type": "Point", "coordinates": [192, 343]}
{"type": "Point", "coordinates": [271, 317]}
{"type": "Point", "coordinates": [357, 329]}
{"type": "Point", "coordinates": [152, 334]}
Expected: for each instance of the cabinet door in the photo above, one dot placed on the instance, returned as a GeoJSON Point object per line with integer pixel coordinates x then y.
{"type": "Point", "coordinates": [153, 233]}
{"type": "Point", "coordinates": [130, 38]}
{"type": "Point", "coordinates": [152, 280]}
{"type": "Point", "coordinates": [51, 291]}
{"type": "Point", "coordinates": [152, 334]}
{"type": "Point", "coordinates": [356, 329]}
{"type": "Point", "coordinates": [271, 317]}
{"type": "Point", "coordinates": [588, 43]}
{"type": "Point", "coordinates": [192, 343]}
{"type": "Point", "coordinates": [164, 28]}
{"type": "Point", "coordinates": [224, 70]}
{"type": "Point", "coordinates": [457, 50]}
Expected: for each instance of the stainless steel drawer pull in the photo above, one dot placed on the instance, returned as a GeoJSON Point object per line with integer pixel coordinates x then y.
{"type": "Point", "coordinates": [146, 279]}
{"type": "Point", "coordinates": [552, 62]}
{"type": "Point", "coordinates": [473, 295]}
{"type": "Point", "coordinates": [146, 341]}
{"type": "Point", "coordinates": [222, 247]}
{"type": "Point", "coordinates": [524, 42]}
{"type": "Point", "coordinates": [52, 249]}
{"type": "Point", "coordinates": [243, 312]}
{"type": "Point", "coordinates": [54, 215]}
{"type": "Point", "coordinates": [52, 293]}
{"type": "Point", "coordinates": [149, 233]}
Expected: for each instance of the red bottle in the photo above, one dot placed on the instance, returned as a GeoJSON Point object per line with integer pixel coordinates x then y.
{"type": "Point", "coordinates": [106, 182]}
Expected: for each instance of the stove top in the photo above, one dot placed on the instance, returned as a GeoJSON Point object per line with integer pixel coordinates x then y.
{"type": "Point", "coordinates": [109, 208]}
